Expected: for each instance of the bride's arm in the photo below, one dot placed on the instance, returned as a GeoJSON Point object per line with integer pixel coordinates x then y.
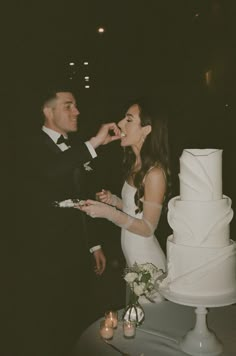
{"type": "Point", "coordinates": [154, 192]}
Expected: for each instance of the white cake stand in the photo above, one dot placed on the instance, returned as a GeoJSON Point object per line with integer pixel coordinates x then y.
{"type": "Point", "coordinates": [200, 341]}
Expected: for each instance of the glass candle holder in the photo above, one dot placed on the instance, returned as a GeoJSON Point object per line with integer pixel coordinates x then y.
{"type": "Point", "coordinates": [129, 329]}
{"type": "Point", "coordinates": [113, 316]}
{"type": "Point", "coordinates": [106, 329]}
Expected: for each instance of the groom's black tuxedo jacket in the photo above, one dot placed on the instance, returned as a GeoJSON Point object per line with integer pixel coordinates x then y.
{"type": "Point", "coordinates": [51, 175]}
{"type": "Point", "coordinates": [53, 258]}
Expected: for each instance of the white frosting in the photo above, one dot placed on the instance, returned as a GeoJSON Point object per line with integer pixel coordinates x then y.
{"type": "Point", "coordinates": [201, 258]}
{"type": "Point", "coordinates": [201, 174]}
{"type": "Point", "coordinates": [197, 271]}
{"type": "Point", "coordinates": [200, 223]}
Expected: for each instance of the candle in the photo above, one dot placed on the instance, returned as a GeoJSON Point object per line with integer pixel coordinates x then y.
{"type": "Point", "coordinates": [113, 316]}
{"type": "Point", "coordinates": [129, 328]}
{"type": "Point", "coordinates": [106, 329]}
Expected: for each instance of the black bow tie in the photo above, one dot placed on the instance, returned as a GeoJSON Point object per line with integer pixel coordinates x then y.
{"type": "Point", "coordinates": [62, 139]}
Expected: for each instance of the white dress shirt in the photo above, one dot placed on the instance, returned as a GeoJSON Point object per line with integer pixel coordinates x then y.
{"type": "Point", "coordinates": [54, 135]}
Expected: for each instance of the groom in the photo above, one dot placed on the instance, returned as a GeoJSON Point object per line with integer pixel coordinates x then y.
{"type": "Point", "coordinates": [54, 253]}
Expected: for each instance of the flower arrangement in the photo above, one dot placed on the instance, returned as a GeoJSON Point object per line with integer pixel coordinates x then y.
{"type": "Point", "coordinates": [143, 280]}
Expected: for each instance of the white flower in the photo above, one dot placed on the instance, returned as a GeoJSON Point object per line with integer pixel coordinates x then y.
{"type": "Point", "coordinates": [150, 268]}
{"type": "Point", "coordinates": [143, 279]}
{"type": "Point", "coordinates": [139, 288]}
{"type": "Point", "coordinates": [130, 277]}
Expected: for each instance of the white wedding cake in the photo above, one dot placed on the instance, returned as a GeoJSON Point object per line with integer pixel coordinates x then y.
{"type": "Point", "coordinates": [201, 258]}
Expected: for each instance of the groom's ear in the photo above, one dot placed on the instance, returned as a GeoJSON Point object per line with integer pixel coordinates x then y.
{"type": "Point", "coordinates": [47, 111]}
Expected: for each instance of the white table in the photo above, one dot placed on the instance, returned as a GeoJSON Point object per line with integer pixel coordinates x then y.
{"type": "Point", "coordinates": [165, 324]}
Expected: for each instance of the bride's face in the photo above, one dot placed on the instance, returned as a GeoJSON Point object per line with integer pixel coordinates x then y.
{"type": "Point", "coordinates": [132, 133]}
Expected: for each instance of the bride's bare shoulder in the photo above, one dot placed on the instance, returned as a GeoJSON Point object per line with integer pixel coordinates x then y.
{"type": "Point", "coordinates": [155, 173]}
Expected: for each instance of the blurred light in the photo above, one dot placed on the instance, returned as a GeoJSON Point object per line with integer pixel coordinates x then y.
{"type": "Point", "coordinates": [86, 78]}
{"type": "Point", "coordinates": [196, 15]}
{"type": "Point", "coordinates": [101, 30]}
{"type": "Point", "coordinates": [86, 63]}
{"type": "Point", "coordinates": [71, 63]}
{"type": "Point", "coordinates": [226, 105]}
{"type": "Point", "coordinates": [208, 77]}
{"type": "Point", "coordinates": [70, 78]}
{"type": "Point", "coordinates": [87, 86]}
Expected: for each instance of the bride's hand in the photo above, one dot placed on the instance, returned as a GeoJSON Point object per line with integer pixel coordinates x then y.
{"type": "Point", "coordinates": [97, 209]}
{"type": "Point", "coordinates": [105, 196]}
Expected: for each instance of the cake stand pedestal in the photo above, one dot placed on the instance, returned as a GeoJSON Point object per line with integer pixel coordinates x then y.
{"type": "Point", "coordinates": [200, 341]}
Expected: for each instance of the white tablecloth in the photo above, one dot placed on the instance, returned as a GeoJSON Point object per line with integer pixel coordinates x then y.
{"type": "Point", "coordinates": [164, 326]}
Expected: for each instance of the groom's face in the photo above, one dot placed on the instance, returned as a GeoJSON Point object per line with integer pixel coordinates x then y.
{"type": "Point", "coordinates": [61, 113]}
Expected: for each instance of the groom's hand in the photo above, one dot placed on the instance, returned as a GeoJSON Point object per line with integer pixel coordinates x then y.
{"type": "Point", "coordinates": [106, 134]}
{"type": "Point", "coordinates": [100, 261]}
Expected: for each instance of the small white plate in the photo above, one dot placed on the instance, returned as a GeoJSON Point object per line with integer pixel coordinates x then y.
{"type": "Point", "coordinates": [68, 203]}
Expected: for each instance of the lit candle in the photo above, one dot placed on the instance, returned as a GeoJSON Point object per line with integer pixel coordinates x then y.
{"type": "Point", "coordinates": [106, 329]}
{"type": "Point", "coordinates": [113, 316]}
{"type": "Point", "coordinates": [129, 328]}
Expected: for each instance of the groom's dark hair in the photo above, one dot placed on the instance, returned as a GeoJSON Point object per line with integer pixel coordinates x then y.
{"type": "Point", "coordinates": [52, 90]}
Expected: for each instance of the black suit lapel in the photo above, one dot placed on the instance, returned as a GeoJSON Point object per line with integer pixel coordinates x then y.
{"type": "Point", "coordinates": [49, 142]}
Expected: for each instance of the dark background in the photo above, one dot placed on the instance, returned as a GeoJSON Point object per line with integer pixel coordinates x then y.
{"type": "Point", "coordinates": [158, 48]}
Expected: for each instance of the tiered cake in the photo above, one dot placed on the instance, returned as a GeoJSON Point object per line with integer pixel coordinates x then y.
{"type": "Point", "coordinates": [201, 257]}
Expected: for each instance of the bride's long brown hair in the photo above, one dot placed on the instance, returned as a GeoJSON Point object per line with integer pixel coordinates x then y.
{"type": "Point", "coordinates": [155, 149]}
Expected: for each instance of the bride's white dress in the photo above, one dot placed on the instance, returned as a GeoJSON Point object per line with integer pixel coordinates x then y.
{"type": "Point", "coordinates": [137, 248]}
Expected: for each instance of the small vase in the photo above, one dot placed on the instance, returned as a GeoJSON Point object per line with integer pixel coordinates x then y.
{"type": "Point", "coordinates": [134, 311]}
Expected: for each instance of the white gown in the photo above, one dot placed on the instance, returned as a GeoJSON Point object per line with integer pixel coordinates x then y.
{"type": "Point", "coordinates": [137, 248]}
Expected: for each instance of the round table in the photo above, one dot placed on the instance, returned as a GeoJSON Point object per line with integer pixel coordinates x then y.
{"type": "Point", "coordinates": [164, 326]}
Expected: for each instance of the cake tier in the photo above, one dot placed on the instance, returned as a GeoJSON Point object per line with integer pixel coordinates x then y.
{"type": "Point", "coordinates": [200, 223]}
{"type": "Point", "coordinates": [197, 271]}
{"type": "Point", "coordinates": [201, 174]}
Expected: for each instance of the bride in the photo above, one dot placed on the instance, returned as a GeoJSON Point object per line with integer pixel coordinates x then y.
{"type": "Point", "coordinates": [144, 137]}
